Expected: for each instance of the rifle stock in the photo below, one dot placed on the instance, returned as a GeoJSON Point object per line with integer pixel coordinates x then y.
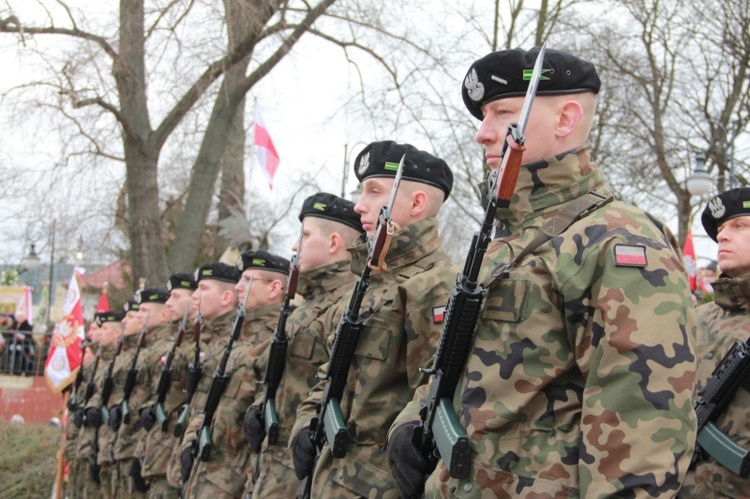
{"type": "Point", "coordinates": [440, 434]}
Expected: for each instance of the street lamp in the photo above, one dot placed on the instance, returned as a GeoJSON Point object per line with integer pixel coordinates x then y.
{"type": "Point", "coordinates": [32, 261]}
{"type": "Point", "coordinates": [346, 168]}
{"type": "Point", "coordinates": [700, 182]}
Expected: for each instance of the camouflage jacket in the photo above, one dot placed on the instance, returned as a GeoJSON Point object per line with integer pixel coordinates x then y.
{"type": "Point", "coordinates": [308, 328]}
{"type": "Point", "coordinates": [720, 325]}
{"type": "Point", "coordinates": [130, 433]}
{"type": "Point", "coordinates": [83, 435]}
{"type": "Point", "coordinates": [580, 379]}
{"type": "Point", "coordinates": [230, 453]}
{"type": "Point", "coordinates": [399, 337]}
{"type": "Point", "coordinates": [103, 435]}
{"type": "Point", "coordinates": [158, 444]}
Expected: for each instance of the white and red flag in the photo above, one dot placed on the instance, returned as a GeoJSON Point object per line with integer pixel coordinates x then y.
{"type": "Point", "coordinates": [688, 254]}
{"type": "Point", "coordinates": [103, 304]}
{"type": "Point", "coordinates": [65, 353]}
{"type": "Point", "coordinates": [267, 155]}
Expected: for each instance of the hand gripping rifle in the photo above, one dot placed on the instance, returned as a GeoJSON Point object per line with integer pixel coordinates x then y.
{"type": "Point", "coordinates": [73, 399]}
{"type": "Point", "coordinates": [277, 357]}
{"type": "Point", "coordinates": [440, 433]}
{"type": "Point", "coordinates": [195, 371]}
{"type": "Point", "coordinates": [328, 424]}
{"type": "Point", "coordinates": [732, 373]}
{"type": "Point", "coordinates": [219, 383]}
{"type": "Point", "coordinates": [165, 378]}
{"type": "Point", "coordinates": [133, 372]}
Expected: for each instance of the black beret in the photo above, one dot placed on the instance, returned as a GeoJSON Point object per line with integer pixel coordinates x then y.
{"type": "Point", "coordinates": [181, 281]}
{"type": "Point", "coordinates": [218, 272]}
{"type": "Point", "coordinates": [262, 260]}
{"type": "Point", "coordinates": [729, 204]}
{"type": "Point", "coordinates": [102, 317]}
{"type": "Point", "coordinates": [151, 296]}
{"type": "Point", "coordinates": [381, 159]}
{"type": "Point", "coordinates": [506, 73]}
{"type": "Point", "coordinates": [331, 207]}
{"type": "Point", "coordinates": [131, 306]}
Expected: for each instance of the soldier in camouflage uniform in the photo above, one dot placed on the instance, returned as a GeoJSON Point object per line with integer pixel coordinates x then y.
{"type": "Point", "coordinates": [224, 473]}
{"type": "Point", "coordinates": [77, 437]}
{"type": "Point", "coordinates": [158, 442]}
{"type": "Point", "coordinates": [330, 227]}
{"type": "Point", "coordinates": [404, 304]}
{"type": "Point", "coordinates": [580, 378]}
{"type": "Point", "coordinates": [217, 304]}
{"type": "Point", "coordinates": [108, 325]}
{"type": "Point", "coordinates": [722, 323]}
{"type": "Point", "coordinates": [150, 316]}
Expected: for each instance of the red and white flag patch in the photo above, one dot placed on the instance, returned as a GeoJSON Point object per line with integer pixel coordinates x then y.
{"type": "Point", "coordinates": [163, 359]}
{"type": "Point", "coordinates": [437, 314]}
{"type": "Point", "coordinates": [630, 255]}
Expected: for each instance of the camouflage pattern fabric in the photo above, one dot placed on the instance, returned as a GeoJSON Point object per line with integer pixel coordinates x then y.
{"type": "Point", "coordinates": [720, 325]}
{"type": "Point", "coordinates": [125, 488]}
{"type": "Point", "coordinates": [398, 338]}
{"type": "Point", "coordinates": [325, 291]}
{"type": "Point", "coordinates": [230, 457]}
{"type": "Point", "coordinates": [159, 488]}
{"type": "Point", "coordinates": [158, 444]}
{"type": "Point", "coordinates": [129, 435]}
{"type": "Point", "coordinates": [214, 338]}
{"type": "Point", "coordinates": [580, 380]}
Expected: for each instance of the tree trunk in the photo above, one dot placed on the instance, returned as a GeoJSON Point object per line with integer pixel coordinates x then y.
{"type": "Point", "coordinates": [144, 221]}
{"type": "Point", "coordinates": [232, 190]}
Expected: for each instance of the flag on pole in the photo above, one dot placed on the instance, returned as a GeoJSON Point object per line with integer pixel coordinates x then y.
{"type": "Point", "coordinates": [65, 353]}
{"type": "Point", "coordinates": [103, 305]}
{"type": "Point", "coordinates": [267, 155]}
{"type": "Point", "coordinates": [688, 254]}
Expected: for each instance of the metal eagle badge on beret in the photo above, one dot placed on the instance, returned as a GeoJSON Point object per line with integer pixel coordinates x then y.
{"type": "Point", "coordinates": [364, 163]}
{"type": "Point", "coordinates": [716, 207]}
{"type": "Point", "coordinates": [729, 204]}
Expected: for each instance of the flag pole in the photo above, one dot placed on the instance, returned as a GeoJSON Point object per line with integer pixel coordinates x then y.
{"type": "Point", "coordinates": [60, 469]}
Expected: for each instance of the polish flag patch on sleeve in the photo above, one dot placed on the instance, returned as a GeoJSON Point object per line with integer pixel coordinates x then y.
{"type": "Point", "coordinates": [163, 359]}
{"type": "Point", "coordinates": [437, 314]}
{"type": "Point", "coordinates": [630, 255]}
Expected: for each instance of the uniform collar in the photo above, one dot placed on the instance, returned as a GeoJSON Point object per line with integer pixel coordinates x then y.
{"type": "Point", "coordinates": [732, 294]}
{"type": "Point", "coordinates": [324, 279]}
{"type": "Point", "coordinates": [407, 246]}
{"type": "Point", "coordinates": [543, 185]}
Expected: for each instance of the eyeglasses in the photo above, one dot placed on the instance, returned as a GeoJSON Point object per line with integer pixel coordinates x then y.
{"type": "Point", "coordinates": [245, 280]}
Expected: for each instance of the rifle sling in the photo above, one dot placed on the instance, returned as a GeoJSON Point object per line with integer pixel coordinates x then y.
{"type": "Point", "coordinates": [570, 213]}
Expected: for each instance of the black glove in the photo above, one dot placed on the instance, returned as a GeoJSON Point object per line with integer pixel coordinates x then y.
{"type": "Point", "coordinates": [78, 418]}
{"type": "Point", "coordinates": [303, 452]}
{"type": "Point", "coordinates": [94, 470]}
{"type": "Point", "coordinates": [115, 417]}
{"type": "Point", "coordinates": [148, 417]}
{"type": "Point", "coordinates": [93, 417]}
{"type": "Point", "coordinates": [255, 432]}
{"type": "Point", "coordinates": [409, 467]}
{"type": "Point", "coordinates": [135, 473]}
{"type": "Point", "coordinates": [186, 463]}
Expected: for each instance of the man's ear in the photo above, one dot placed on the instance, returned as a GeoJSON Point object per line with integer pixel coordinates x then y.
{"type": "Point", "coordinates": [335, 241]}
{"type": "Point", "coordinates": [418, 203]}
{"type": "Point", "coordinates": [569, 116]}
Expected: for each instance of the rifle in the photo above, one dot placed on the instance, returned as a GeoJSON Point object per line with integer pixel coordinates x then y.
{"type": "Point", "coordinates": [90, 385]}
{"type": "Point", "coordinates": [107, 387]}
{"type": "Point", "coordinates": [277, 357]}
{"type": "Point", "coordinates": [195, 371]}
{"type": "Point", "coordinates": [165, 378]}
{"type": "Point", "coordinates": [109, 380]}
{"type": "Point", "coordinates": [328, 424]}
{"type": "Point", "coordinates": [219, 383]}
{"type": "Point", "coordinates": [72, 400]}
{"type": "Point", "coordinates": [133, 372]}
{"type": "Point", "coordinates": [440, 434]}
{"type": "Point", "coordinates": [731, 374]}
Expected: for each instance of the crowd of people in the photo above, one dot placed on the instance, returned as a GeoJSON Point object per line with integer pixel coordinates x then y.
{"type": "Point", "coordinates": [582, 372]}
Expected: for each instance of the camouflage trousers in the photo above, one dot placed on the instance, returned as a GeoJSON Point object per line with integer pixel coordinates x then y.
{"type": "Point", "coordinates": [277, 478]}
{"type": "Point", "coordinates": [124, 482]}
{"type": "Point", "coordinates": [160, 489]}
{"type": "Point", "coordinates": [198, 487]}
{"type": "Point", "coordinates": [106, 477]}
